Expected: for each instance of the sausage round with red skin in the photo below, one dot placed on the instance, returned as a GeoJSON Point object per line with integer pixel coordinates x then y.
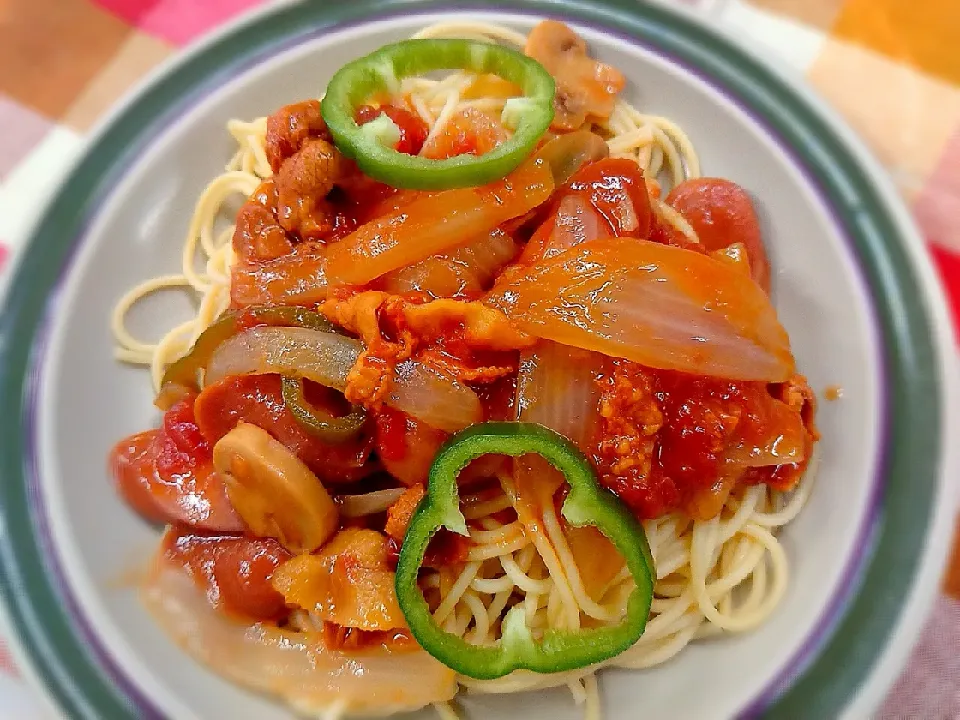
{"type": "Point", "coordinates": [258, 399]}
{"type": "Point", "coordinates": [234, 571]}
{"type": "Point", "coordinates": [167, 474]}
{"type": "Point", "coordinates": [722, 214]}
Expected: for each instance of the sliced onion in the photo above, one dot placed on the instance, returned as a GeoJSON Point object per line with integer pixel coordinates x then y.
{"type": "Point", "coordinates": [290, 665]}
{"type": "Point", "coordinates": [556, 383]}
{"type": "Point", "coordinates": [784, 439]}
{"type": "Point", "coordinates": [577, 222]}
{"type": "Point", "coordinates": [657, 305]}
{"type": "Point", "coordinates": [295, 279]}
{"type": "Point", "coordinates": [626, 214]}
{"type": "Point", "coordinates": [369, 503]}
{"type": "Point", "coordinates": [438, 276]}
{"type": "Point", "coordinates": [484, 258]}
{"type": "Point", "coordinates": [435, 398]}
{"type": "Point", "coordinates": [557, 388]}
{"type": "Point", "coordinates": [323, 357]}
{"type": "Point", "coordinates": [326, 358]}
{"type": "Point", "coordinates": [435, 223]}
{"type": "Point", "coordinates": [469, 269]}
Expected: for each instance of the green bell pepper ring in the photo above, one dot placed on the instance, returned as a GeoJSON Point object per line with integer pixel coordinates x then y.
{"type": "Point", "coordinates": [381, 71]}
{"type": "Point", "coordinates": [586, 504]}
{"type": "Point", "coordinates": [318, 422]}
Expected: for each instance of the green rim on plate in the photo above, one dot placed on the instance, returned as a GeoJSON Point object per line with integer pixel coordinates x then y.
{"type": "Point", "coordinates": [61, 647]}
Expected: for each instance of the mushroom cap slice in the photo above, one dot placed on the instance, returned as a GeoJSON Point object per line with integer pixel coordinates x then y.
{"type": "Point", "coordinates": [273, 491]}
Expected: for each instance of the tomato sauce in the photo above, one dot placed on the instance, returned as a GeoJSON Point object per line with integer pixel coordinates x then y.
{"type": "Point", "coordinates": [391, 427]}
{"type": "Point", "coordinates": [467, 132]}
{"type": "Point", "coordinates": [499, 398]}
{"type": "Point", "coordinates": [447, 548]}
{"type": "Point", "coordinates": [799, 397]}
{"type": "Point", "coordinates": [673, 441]}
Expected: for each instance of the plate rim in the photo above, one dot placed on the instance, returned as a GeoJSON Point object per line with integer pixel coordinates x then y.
{"type": "Point", "coordinates": [26, 310]}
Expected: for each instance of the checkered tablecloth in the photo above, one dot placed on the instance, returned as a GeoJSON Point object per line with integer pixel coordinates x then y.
{"type": "Point", "coordinates": [891, 67]}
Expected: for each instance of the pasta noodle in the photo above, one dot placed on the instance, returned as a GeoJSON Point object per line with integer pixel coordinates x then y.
{"type": "Point", "coordinates": [722, 575]}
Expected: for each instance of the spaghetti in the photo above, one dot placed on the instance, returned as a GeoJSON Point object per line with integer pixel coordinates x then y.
{"type": "Point", "coordinates": [713, 576]}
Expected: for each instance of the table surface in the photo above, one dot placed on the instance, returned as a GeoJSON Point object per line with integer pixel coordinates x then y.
{"type": "Point", "coordinates": [890, 67]}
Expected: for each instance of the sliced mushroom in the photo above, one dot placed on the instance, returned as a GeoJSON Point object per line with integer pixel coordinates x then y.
{"type": "Point", "coordinates": [565, 154]}
{"type": "Point", "coordinates": [586, 88]}
{"type": "Point", "coordinates": [273, 491]}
